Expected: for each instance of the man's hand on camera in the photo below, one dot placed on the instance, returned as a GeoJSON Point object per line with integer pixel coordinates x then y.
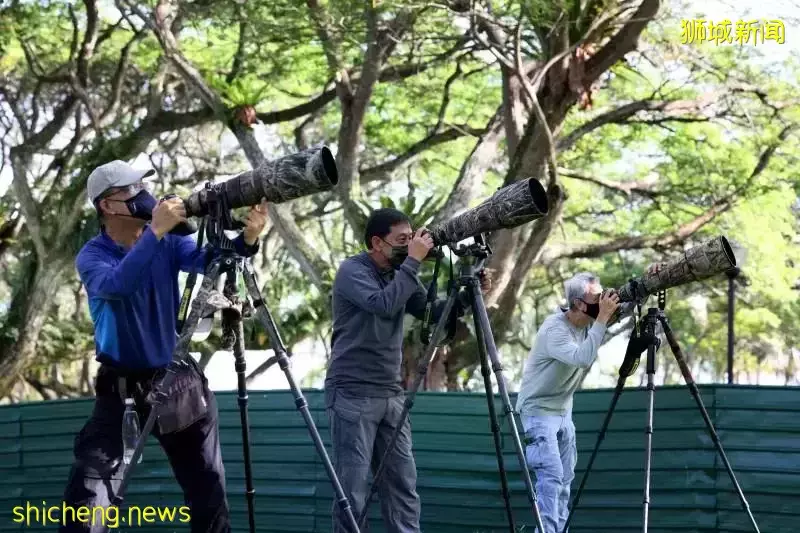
{"type": "Point", "coordinates": [609, 301]}
{"type": "Point", "coordinates": [254, 225]}
{"type": "Point", "coordinates": [420, 245]}
{"type": "Point", "coordinates": [167, 214]}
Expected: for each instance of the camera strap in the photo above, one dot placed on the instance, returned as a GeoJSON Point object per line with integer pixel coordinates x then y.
{"type": "Point", "coordinates": [637, 316]}
{"type": "Point", "coordinates": [191, 281]}
{"type": "Point", "coordinates": [425, 333]}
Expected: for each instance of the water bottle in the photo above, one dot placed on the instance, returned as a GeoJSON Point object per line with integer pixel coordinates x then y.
{"type": "Point", "coordinates": [130, 431]}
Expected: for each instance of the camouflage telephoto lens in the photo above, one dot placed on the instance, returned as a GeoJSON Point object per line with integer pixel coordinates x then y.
{"type": "Point", "coordinates": [701, 262]}
{"type": "Point", "coordinates": [511, 206]}
{"type": "Point", "coordinates": [290, 177]}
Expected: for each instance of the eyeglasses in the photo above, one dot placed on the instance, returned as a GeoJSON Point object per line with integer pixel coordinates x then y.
{"type": "Point", "coordinates": [402, 240]}
{"type": "Point", "coordinates": [130, 190]}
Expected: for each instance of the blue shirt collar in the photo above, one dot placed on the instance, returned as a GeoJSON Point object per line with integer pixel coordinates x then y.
{"type": "Point", "coordinates": [106, 240]}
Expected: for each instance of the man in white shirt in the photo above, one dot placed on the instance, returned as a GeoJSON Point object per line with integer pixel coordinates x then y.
{"type": "Point", "coordinates": [565, 348]}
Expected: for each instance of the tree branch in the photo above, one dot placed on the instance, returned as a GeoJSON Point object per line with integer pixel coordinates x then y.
{"type": "Point", "coordinates": [61, 389]}
{"type": "Point", "coordinates": [531, 90]}
{"type": "Point", "coordinates": [644, 188]}
{"type": "Point", "coordinates": [119, 77]}
{"type": "Point", "coordinates": [280, 216]}
{"type": "Point", "coordinates": [301, 110]}
{"type": "Point", "coordinates": [471, 174]}
{"type": "Point", "coordinates": [40, 388]}
{"type": "Point", "coordinates": [263, 367]}
{"type": "Point", "coordinates": [354, 104]}
{"type": "Point", "coordinates": [330, 46]}
{"type": "Point", "coordinates": [446, 97]}
{"type": "Point", "coordinates": [388, 73]}
{"type": "Point", "coordinates": [672, 109]}
{"type": "Point", "coordinates": [623, 41]}
{"type": "Point", "coordinates": [21, 156]}
{"type": "Point", "coordinates": [673, 237]}
{"type": "Point", "coordinates": [238, 57]}
{"type": "Point", "coordinates": [60, 116]}
{"type": "Point", "coordinates": [89, 41]}
{"type": "Point", "coordinates": [381, 172]}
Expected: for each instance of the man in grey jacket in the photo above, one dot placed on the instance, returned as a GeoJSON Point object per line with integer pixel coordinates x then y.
{"type": "Point", "coordinates": [372, 292]}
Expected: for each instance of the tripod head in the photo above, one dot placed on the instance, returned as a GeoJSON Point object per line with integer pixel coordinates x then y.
{"type": "Point", "coordinates": [478, 250]}
{"type": "Point", "coordinates": [643, 338]}
{"type": "Point", "coordinates": [471, 260]}
{"type": "Point", "coordinates": [217, 220]}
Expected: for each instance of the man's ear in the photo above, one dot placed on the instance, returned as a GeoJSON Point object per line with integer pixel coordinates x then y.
{"type": "Point", "coordinates": [374, 243]}
{"type": "Point", "coordinates": [104, 207]}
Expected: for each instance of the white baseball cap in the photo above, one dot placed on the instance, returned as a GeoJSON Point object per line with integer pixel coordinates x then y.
{"type": "Point", "coordinates": [114, 174]}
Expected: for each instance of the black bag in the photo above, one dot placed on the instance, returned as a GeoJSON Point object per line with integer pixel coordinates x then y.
{"type": "Point", "coordinates": [187, 400]}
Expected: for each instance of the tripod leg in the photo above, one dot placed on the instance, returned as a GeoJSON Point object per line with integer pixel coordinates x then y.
{"type": "Point", "coordinates": [241, 365]}
{"type": "Point", "coordinates": [495, 426]}
{"type": "Point", "coordinates": [422, 370]}
{"type": "Point", "coordinates": [479, 308]}
{"type": "Point", "coordinates": [157, 395]}
{"type": "Point", "coordinates": [651, 370]}
{"type": "Point", "coordinates": [600, 437]}
{"type": "Point", "coordinates": [265, 318]}
{"type": "Point", "coordinates": [687, 376]}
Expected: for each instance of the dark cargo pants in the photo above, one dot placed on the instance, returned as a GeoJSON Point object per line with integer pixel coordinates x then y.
{"type": "Point", "coordinates": [187, 431]}
{"type": "Point", "coordinates": [361, 429]}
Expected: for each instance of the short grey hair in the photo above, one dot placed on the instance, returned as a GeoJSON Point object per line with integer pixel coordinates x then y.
{"type": "Point", "coordinates": [576, 286]}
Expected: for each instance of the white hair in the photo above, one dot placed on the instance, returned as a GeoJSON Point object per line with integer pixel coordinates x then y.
{"type": "Point", "coordinates": [575, 287]}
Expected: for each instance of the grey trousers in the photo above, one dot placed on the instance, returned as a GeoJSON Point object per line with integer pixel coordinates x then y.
{"type": "Point", "coordinates": [361, 429]}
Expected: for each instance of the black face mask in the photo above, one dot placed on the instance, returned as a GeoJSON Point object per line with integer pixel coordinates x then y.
{"type": "Point", "coordinates": [592, 309]}
{"type": "Point", "coordinates": [141, 206]}
{"type": "Point", "coordinates": [398, 255]}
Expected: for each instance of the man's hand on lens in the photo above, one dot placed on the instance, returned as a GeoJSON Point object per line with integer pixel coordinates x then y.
{"type": "Point", "coordinates": [167, 214]}
{"type": "Point", "coordinates": [609, 301]}
{"type": "Point", "coordinates": [256, 220]}
{"type": "Point", "coordinates": [420, 245]}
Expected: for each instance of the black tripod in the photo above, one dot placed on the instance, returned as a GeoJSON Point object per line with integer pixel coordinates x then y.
{"type": "Point", "coordinates": [234, 306]}
{"type": "Point", "coordinates": [636, 346]}
{"type": "Point", "coordinates": [472, 258]}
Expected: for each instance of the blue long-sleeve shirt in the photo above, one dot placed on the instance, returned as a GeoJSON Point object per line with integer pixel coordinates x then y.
{"type": "Point", "coordinates": [368, 311]}
{"type": "Point", "coordinates": [134, 294]}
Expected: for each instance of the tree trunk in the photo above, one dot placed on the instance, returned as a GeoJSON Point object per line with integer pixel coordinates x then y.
{"type": "Point", "coordinates": [32, 305]}
{"type": "Point", "coordinates": [516, 250]}
{"type": "Point", "coordinates": [437, 378]}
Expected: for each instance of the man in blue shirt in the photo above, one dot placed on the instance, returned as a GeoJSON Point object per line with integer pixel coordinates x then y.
{"type": "Point", "coordinates": [130, 272]}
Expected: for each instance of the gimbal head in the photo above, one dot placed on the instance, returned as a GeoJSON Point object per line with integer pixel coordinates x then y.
{"type": "Point", "coordinates": [479, 249]}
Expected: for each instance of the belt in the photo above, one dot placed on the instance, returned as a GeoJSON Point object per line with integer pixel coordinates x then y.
{"type": "Point", "coordinates": [127, 378]}
{"type": "Point", "coordinates": [123, 381]}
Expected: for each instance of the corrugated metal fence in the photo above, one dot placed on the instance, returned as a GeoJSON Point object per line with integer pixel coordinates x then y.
{"type": "Point", "coordinates": [691, 491]}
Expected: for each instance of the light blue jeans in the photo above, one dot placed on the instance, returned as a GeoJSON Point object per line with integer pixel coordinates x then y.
{"type": "Point", "coordinates": [551, 454]}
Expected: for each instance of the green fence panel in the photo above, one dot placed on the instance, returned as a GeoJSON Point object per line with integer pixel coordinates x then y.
{"type": "Point", "coordinates": [690, 489]}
